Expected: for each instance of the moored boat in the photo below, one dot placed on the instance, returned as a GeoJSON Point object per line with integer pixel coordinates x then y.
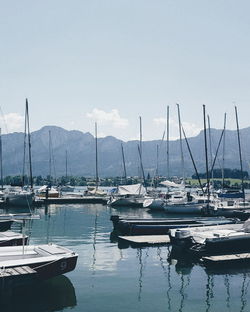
{"type": "Point", "coordinates": [18, 197]}
{"type": "Point", "coordinates": [160, 226]}
{"type": "Point", "coordinates": [47, 260]}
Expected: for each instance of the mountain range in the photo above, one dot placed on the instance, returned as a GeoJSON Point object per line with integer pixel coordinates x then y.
{"type": "Point", "coordinates": [81, 153]}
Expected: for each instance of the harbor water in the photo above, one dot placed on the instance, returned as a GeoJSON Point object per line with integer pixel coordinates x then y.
{"type": "Point", "coordinates": [108, 278]}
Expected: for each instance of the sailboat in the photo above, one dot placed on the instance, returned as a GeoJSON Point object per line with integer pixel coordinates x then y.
{"type": "Point", "coordinates": [14, 195]}
{"type": "Point", "coordinates": [48, 191]}
{"type": "Point", "coordinates": [228, 203]}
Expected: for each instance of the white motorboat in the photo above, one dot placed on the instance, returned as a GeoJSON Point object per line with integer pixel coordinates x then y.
{"type": "Point", "coordinates": [227, 206]}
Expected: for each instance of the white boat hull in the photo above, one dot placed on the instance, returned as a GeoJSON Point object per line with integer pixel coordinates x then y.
{"type": "Point", "coordinates": [188, 208]}
{"type": "Point", "coordinates": [154, 203]}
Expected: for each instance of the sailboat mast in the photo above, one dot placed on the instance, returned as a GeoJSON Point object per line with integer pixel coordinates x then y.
{"type": "Point", "coordinates": [239, 144]}
{"type": "Point", "coordinates": [124, 165]}
{"type": "Point", "coordinates": [223, 152]}
{"type": "Point", "coordinates": [140, 146]}
{"type": "Point", "coordinates": [96, 158]}
{"type": "Point", "coordinates": [50, 164]}
{"type": "Point", "coordinates": [1, 158]}
{"type": "Point", "coordinates": [157, 165]}
{"type": "Point", "coordinates": [210, 147]}
{"type": "Point", "coordinates": [29, 145]}
{"type": "Point", "coordinates": [180, 133]}
{"type": "Point", "coordinates": [24, 145]}
{"type": "Point", "coordinates": [140, 134]}
{"type": "Point", "coordinates": [142, 170]}
{"type": "Point", "coordinates": [66, 164]}
{"type": "Point", "coordinates": [206, 157]}
{"type": "Point", "coordinates": [168, 142]}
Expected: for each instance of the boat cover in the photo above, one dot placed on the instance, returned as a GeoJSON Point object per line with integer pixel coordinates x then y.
{"type": "Point", "coordinates": [134, 189]}
{"type": "Point", "coordinates": [168, 183]}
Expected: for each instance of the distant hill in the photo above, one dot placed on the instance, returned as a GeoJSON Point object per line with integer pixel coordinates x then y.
{"type": "Point", "coordinates": [81, 153]}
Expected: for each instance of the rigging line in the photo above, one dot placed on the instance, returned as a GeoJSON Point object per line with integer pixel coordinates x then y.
{"type": "Point", "coordinates": [53, 162]}
{"type": "Point", "coordinates": [24, 148]}
{"type": "Point", "coordinates": [210, 146]}
{"type": "Point", "coordinates": [190, 153]}
{"type": "Point", "coordinates": [206, 156]}
{"type": "Point", "coordinates": [217, 150]}
{"type": "Point", "coordinates": [181, 148]}
{"type": "Point", "coordinates": [29, 145]}
{"type": "Point", "coordinates": [240, 154]}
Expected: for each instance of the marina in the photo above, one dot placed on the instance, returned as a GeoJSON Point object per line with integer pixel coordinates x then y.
{"type": "Point", "coordinates": [124, 156]}
{"type": "Point", "coordinates": [86, 229]}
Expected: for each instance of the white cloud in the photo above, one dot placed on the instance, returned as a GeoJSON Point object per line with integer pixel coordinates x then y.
{"type": "Point", "coordinates": [190, 129]}
{"type": "Point", "coordinates": [112, 118]}
{"type": "Point", "coordinates": [12, 122]}
{"type": "Point", "coordinates": [159, 121]}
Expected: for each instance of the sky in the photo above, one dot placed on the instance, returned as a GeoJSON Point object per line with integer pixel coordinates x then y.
{"type": "Point", "coordinates": [110, 61]}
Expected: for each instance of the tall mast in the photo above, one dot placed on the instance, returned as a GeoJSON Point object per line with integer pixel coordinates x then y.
{"type": "Point", "coordinates": [66, 164]}
{"type": "Point", "coordinates": [24, 145]}
{"type": "Point", "coordinates": [157, 165]}
{"type": "Point", "coordinates": [124, 164]}
{"type": "Point", "coordinates": [205, 139]}
{"type": "Point", "coordinates": [239, 144]}
{"type": "Point", "coordinates": [223, 152]}
{"type": "Point", "coordinates": [180, 133]}
{"type": "Point", "coordinates": [140, 134]}
{"type": "Point", "coordinates": [96, 158]}
{"type": "Point", "coordinates": [140, 145]}
{"type": "Point", "coordinates": [29, 145]}
{"type": "Point", "coordinates": [1, 158]}
{"type": "Point", "coordinates": [210, 147]}
{"type": "Point", "coordinates": [168, 142]}
{"type": "Point", "coordinates": [142, 170]}
{"type": "Point", "coordinates": [50, 160]}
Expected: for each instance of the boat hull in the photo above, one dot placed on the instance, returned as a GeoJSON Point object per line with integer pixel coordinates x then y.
{"type": "Point", "coordinates": [19, 199]}
{"type": "Point", "coordinates": [189, 208]}
{"type": "Point", "coordinates": [52, 269]}
{"type": "Point", "coordinates": [47, 260]}
{"type": "Point", "coordinates": [5, 225]}
{"type": "Point", "coordinates": [126, 202]}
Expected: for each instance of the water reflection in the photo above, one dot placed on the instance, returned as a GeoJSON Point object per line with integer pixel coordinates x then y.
{"type": "Point", "coordinates": [53, 295]}
{"type": "Point", "coordinates": [142, 267]}
{"type": "Point", "coordinates": [133, 279]}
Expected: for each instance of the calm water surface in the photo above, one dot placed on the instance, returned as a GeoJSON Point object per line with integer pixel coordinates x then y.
{"type": "Point", "coordinates": [111, 279]}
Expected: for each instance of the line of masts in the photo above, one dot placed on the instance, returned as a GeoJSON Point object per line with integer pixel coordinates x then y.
{"type": "Point", "coordinates": [211, 163]}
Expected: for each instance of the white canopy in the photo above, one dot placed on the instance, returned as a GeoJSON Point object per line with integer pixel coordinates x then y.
{"type": "Point", "coordinates": [134, 189]}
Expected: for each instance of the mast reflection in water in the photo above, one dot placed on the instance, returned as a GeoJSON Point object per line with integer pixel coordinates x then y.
{"type": "Point", "coordinates": [107, 278]}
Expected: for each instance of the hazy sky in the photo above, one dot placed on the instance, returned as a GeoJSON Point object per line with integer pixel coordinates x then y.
{"type": "Point", "coordinates": [111, 61]}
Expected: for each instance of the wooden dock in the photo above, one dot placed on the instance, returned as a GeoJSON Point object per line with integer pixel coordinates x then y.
{"type": "Point", "coordinates": [146, 239]}
{"type": "Point", "coordinates": [227, 259]}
